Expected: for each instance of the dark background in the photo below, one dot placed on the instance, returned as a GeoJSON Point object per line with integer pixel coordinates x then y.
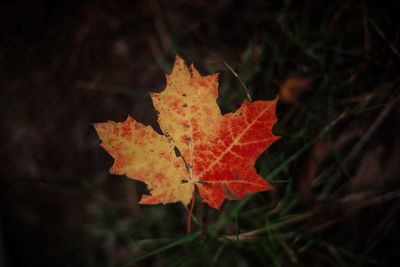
{"type": "Point", "coordinates": [67, 64]}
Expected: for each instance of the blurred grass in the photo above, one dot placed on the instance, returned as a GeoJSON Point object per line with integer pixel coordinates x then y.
{"type": "Point", "coordinates": [350, 52]}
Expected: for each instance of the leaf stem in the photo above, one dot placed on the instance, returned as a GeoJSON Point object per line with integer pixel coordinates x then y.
{"type": "Point", "coordinates": [189, 219]}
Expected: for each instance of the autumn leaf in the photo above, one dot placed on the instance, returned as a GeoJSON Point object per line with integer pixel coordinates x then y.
{"type": "Point", "coordinates": [199, 147]}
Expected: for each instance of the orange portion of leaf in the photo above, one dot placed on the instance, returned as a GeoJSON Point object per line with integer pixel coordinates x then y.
{"type": "Point", "coordinates": [217, 153]}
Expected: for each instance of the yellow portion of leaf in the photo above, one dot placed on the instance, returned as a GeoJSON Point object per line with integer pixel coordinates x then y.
{"type": "Point", "coordinates": [141, 153]}
{"type": "Point", "coordinates": [188, 113]}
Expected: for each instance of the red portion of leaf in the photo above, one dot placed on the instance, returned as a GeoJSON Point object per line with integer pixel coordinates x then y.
{"type": "Point", "coordinates": [228, 169]}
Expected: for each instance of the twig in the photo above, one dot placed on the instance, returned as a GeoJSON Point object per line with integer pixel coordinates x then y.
{"type": "Point", "coordinates": [240, 80]}
{"type": "Point", "coordinates": [390, 44]}
{"type": "Point", "coordinates": [375, 200]}
{"type": "Point", "coordinates": [256, 233]}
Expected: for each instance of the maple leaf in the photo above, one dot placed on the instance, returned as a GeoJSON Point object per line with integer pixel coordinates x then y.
{"type": "Point", "coordinates": [199, 146]}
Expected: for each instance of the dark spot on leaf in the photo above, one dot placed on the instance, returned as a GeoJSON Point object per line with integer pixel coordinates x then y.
{"type": "Point", "coordinates": [177, 152]}
{"type": "Point", "coordinates": [235, 174]}
{"type": "Point", "coordinates": [229, 194]}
